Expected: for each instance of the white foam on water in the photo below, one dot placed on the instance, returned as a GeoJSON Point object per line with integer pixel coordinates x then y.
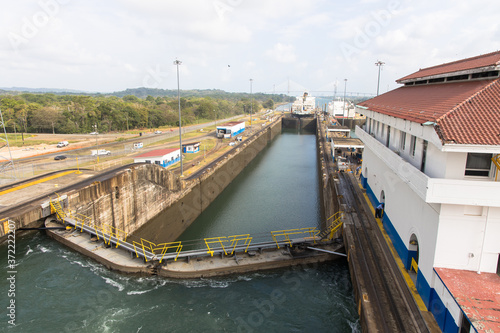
{"type": "Point", "coordinates": [113, 283]}
{"type": "Point", "coordinates": [43, 249]}
{"type": "Point", "coordinates": [140, 292]}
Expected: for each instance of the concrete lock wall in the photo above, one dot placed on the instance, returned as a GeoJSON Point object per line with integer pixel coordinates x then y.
{"type": "Point", "coordinates": [129, 199]}
{"type": "Point", "coordinates": [148, 201]}
{"type": "Point", "coordinates": [171, 222]}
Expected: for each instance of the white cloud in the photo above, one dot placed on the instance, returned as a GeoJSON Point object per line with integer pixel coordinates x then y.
{"type": "Point", "coordinates": [111, 45]}
{"type": "Point", "coordinates": [283, 53]}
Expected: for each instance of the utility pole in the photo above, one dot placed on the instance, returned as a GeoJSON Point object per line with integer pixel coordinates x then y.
{"type": "Point", "coordinates": [96, 143]}
{"type": "Point", "coordinates": [379, 64]}
{"type": "Point", "coordinates": [177, 63]}
{"type": "Point", "coordinates": [251, 105]}
{"type": "Point", "coordinates": [11, 162]}
{"type": "Point", "coordinates": [343, 106]}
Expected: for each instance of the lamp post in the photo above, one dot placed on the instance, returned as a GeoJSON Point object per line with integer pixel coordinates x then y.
{"type": "Point", "coordinates": [251, 105]}
{"type": "Point", "coordinates": [343, 106]}
{"type": "Point", "coordinates": [96, 143]}
{"type": "Point", "coordinates": [215, 114]}
{"type": "Point", "coordinates": [177, 63]}
{"type": "Point", "coordinates": [379, 64]}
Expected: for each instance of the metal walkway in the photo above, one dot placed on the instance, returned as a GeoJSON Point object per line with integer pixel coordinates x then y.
{"type": "Point", "coordinates": [223, 246]}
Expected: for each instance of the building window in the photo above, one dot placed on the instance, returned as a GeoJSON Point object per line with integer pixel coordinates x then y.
{"type": "Point", "coordinates": [413, 145]}
{"type": "Point", "coordinates": [478, 164]}
{"type": "Point", "coordinates": [402, 141]}
{"type": "Point", "coordinates": [388, 138]}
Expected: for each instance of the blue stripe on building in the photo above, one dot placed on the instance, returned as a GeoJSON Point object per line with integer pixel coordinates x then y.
{"type": "Point", "coordinates": [429, 296]}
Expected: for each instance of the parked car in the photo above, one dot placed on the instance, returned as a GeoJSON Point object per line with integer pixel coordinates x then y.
{"type": "Point", "coordinates": [94, 133]}
{"type": "Point", "coordinates": [60, 157]}
{"type": "Point", "coordinates": [100, 152]}
{"type": "Point", "coordinates": [158, 132]}
{"type": "Point", "coordinates": [62, 144]}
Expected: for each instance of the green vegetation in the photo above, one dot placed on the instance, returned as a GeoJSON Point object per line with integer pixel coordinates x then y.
{"type": "Point", "coordinates": [72, 113]}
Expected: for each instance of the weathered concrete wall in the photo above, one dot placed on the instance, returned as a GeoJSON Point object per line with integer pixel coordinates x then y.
{"type": "Point", "coordinates": [129, 199]}
{"type": "Point", "coordinates": [328, 192]}
{"type": "Point", "coordinates": [172, 222]}
{"type": "Point", "coordinates": [290, 121]}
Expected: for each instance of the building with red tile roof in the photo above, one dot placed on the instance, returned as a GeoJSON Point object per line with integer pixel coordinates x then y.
{"type": "Point", "coordinates": [432, 155]}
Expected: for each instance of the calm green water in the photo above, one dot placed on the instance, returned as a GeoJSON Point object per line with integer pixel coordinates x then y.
{"type": "Point", "coordinates": [59, 290]}
{"type": "Point", "coordinates": [277, 190]}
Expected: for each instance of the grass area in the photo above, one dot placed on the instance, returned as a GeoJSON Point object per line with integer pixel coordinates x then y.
{"type": "Point", "coordinates": [16, 140]}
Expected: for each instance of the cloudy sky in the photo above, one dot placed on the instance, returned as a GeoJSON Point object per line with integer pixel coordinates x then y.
{"type": "Point", "coordinates": [315, 44]}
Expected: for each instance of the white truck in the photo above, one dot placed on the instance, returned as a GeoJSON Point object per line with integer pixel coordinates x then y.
{"type": "Point", "coordinates": [62, 144]}
{"type": "Point", "coordinates": [100, 152]}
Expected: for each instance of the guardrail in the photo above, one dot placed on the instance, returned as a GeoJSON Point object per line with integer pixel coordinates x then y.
{"type": "Point", "coordinates": [149, 251]}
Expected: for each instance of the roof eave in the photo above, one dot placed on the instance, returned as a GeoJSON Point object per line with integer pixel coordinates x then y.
{"type": "Point", "coordinates": [470, 148]}
{"type": "Point", "coordinates": [463, 72]}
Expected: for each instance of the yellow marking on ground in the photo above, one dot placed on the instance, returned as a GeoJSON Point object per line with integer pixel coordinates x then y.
{"type": "Point", "coordinates": [402, 268]}
{"type": "Point", "coordinates": [39, 181]}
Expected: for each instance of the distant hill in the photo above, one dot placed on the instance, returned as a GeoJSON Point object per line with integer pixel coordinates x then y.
{"type": "Point", "coordinates": [44, 90]}
{"type": "Point", "coordinates": [145, 92]}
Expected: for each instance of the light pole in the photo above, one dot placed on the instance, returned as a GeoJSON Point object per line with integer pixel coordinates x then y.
{"type": "Point", "coordinates": [177, 63]}
{"type": "Point", "coordinates": [343, 106]}
{"type": "Point", "coordinates": [251, 105]}
{"type": "Point", "coordinates": [379, 64]}
{"type": "Point", "coordinates": [215, 114]}
{"type": "Point", "coordinates": [96, 143]}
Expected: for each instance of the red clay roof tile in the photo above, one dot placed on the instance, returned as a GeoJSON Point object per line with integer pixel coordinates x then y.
{"type": "Point", "coordinates": [465, 112]}
{"type": "Point", "coordinates": [485, 60]}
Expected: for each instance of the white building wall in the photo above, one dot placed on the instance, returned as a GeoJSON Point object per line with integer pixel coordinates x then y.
{"type": "Point", "coordinates": [406, 210]}
{"type": "Point", "coordinates": [436, 162]}
{"type": "Point", "coordinates": [462, 221]}
{"type": "Point", "coordinates": [460, 237]}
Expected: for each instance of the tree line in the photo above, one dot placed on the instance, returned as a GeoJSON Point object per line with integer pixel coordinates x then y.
{"type": "Point", "coordinates": [54, 113]}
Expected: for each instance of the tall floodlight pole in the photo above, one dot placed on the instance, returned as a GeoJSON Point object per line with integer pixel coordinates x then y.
{"type": "Point", "coordinates": [251, 105]}
{"type": "Point", "coordinates": [11, 162]}
{"type": "Point", "coordinates": [379, 64]}
{"type": "Point", "coordinates": [177, 63]}
{"type": "Point", "coordinates": [96, 143]}
{"type": "Point", "coordinates": [343, 106]}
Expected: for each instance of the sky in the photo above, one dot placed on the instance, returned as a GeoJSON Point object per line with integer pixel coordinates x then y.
{"type": "Point", "coordinates": [282, 45]}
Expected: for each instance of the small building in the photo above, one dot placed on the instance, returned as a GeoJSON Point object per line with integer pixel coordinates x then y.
{"type": "Point", "coordinates": [337, 131]}
{"type": "Point", "coordinates": [230, 129]}
{"type": "Point", "coordinates": [191, 148]}
{"type": "Point", "coordinates": [163, 157]}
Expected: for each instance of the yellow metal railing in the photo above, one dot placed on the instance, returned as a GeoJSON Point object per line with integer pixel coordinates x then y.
{"type": "Point", "coordinates": [237, 238]}
{"type": "Point", "coordinates": [158, 250]}
{"type": "Point", "coordinates": [110, 231]}
{"type": "Point", "coordinates": [55, 207]}
{"type": "Point", "coordinates": [230, 242]}
{"type": "Point", "coordinates": [414, 265]}
{"type": "Point", "coordinates": [215, 240]}
{"type": "Point", "coordinates": [312, 231]}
